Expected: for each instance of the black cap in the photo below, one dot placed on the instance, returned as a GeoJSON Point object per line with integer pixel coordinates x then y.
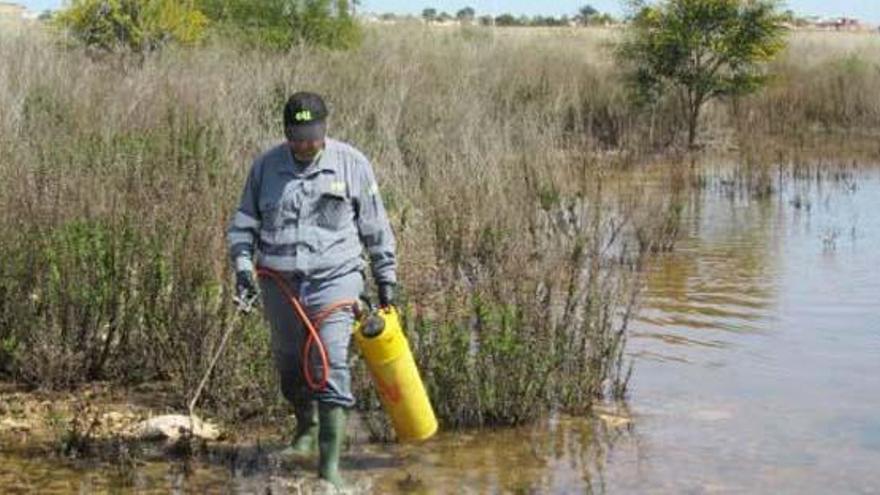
{"type": "Point", "coordinates": [305, 117]}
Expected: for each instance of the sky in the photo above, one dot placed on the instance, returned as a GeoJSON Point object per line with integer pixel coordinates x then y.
{"type": "Point", "coordinates": [866, 10]}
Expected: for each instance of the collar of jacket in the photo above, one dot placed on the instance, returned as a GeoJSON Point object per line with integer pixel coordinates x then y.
{"type": "Point", "coordinates": [317, 164]}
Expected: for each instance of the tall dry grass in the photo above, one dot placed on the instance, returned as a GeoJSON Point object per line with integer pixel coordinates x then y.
{"type": "Point", "coordinates": [520, 245]}
{"type": "Point", "coordinates": [824, 97]}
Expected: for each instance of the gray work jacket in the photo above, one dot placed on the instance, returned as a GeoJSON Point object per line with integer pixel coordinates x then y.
{"type": "Point", "coordinates": [314, 219]}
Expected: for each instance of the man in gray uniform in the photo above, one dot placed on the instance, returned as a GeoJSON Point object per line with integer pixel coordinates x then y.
{"type": "Point", "coordinates": [309, 207]}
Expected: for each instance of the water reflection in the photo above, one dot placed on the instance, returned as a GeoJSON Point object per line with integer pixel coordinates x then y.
{"type": "Point", "coordinates": [29, 468]}
{"type": "Point", "coordinates": [758, 345]}
{"type": "Point", "coordinates": [721, 274]}
{"type": "Point", "coordinates": [563, 455]}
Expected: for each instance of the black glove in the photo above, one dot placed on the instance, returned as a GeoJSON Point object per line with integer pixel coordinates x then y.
{"type": "Point", "coordinates": [386, 295]}
{"type": "Point", "coordinates": [245, 290]}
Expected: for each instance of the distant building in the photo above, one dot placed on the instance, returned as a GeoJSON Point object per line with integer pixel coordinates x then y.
{"type": "Point", "coordinates": [9, 10]}
{"type": "Point", "coordinates": [840, 24]}
{"type": "Point", "coordinates": [13, 14]}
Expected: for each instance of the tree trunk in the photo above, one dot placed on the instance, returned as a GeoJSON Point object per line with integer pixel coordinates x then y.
{"type": "Point", "coordinates": [693, 120]}
{"type": "Point", "coordinates": [692, 130]}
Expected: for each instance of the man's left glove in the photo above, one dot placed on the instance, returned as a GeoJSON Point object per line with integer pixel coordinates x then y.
{"type": "Point", "coordinates": [245, 291]}
{"type": "Point", "coordinates": [386, 295]}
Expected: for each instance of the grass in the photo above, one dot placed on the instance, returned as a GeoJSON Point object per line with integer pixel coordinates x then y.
{"type": "Point", "coordinates": [499, 154]}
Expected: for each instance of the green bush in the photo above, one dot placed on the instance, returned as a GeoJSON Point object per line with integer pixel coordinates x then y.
{"type": "Point", "coordinates": [75, 300]}
{"type": "Point", "coordinates": [104, 300]}
{"type": "Point", "coordinates": [279, 24]}
{"type": "Point", "coordinates": [136, 25]}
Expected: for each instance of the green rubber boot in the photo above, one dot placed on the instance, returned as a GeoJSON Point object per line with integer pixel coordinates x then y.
{"type": "Point", "coordinates": [331, 435]}
{"type": "Point", "coordinates": [305, 436]}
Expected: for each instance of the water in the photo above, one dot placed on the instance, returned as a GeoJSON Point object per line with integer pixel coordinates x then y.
{"type": "Point", "coordinates": [759, 349]}
{"type": "Point", "coordinates": [757, 370]}
{"type": "Point", "coordinates": [757, 363]}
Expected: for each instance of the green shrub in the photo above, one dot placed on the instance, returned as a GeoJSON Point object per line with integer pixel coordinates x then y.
{"type": "Point", "coordinates": [135, 25]}
{"type": "Point", "coordinates": [279, 24]}
{"type": "Point", "coordinates": [75, 304]}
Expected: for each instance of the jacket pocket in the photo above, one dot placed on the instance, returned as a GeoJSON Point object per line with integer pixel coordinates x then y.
{"type": "Point", "coordinates": [332, 210]}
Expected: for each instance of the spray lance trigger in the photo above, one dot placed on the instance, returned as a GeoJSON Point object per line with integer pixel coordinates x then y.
{"type": "Point", "coordinates": [245, 304]}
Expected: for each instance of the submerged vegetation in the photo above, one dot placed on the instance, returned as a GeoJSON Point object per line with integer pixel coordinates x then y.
{"type": "Point", "coordinates": [499, 154]}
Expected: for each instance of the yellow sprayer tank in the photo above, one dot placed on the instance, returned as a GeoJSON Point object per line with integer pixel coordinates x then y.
{"type": "Point", "coordinates": [391, 363]}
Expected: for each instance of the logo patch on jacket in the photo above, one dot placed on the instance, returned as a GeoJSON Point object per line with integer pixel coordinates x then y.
{"type": "Point", "coordinates": [337, 187]}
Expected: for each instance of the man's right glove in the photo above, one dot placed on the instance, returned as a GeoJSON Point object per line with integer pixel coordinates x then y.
{"type": "Point", "coordinates": [245, 291]}
{"type": "Point", "coordinates": [386, 295]}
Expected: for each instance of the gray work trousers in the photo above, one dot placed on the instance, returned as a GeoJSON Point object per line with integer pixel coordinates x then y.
{"type": "Point", "coordinates": [289, 335]}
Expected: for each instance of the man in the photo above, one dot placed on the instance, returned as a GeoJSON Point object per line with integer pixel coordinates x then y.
{"type": "Point", "coordinates": [309, 207]}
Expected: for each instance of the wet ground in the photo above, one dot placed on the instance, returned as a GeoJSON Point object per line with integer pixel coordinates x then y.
{"type": "Point", "coordinates": [757, 370]}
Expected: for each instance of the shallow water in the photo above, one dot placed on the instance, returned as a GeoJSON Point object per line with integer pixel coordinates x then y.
{"type": "Point", "coordinates": [758, 351]}
{"type": "Point", "coordinates": [757, 363]}
{"type": "Point", "coordinates": [757, 370]}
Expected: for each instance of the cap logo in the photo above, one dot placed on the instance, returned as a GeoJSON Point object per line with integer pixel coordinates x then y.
{"type": "Point", "coordinates": [303, 116]}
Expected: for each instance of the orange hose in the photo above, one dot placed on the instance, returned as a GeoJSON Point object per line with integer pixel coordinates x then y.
{"type": "Point", "coordinates": [314, 338]}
